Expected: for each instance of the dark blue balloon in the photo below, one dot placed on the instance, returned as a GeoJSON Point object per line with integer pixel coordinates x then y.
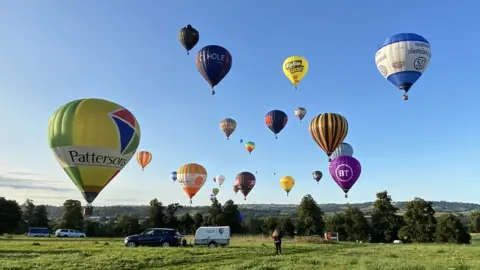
{"type": "Point", "coordinates": [214, 63]}
{"type": "Point", "coordinates": [276, 120]}
{"type": "Point", "coordinates": [241, 217]}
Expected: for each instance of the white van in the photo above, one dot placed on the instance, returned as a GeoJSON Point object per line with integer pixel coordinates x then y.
{"type": "Point", "coordinates": [212, 236]}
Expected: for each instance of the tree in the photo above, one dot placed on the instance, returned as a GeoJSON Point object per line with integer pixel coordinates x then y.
{"type": "Point", "coordinates": [269, 225]}
{"type": "Point", "coordinates": [198, 219]}
{"type": "Point", "coordinates": [187, 224]}
{"type": "Point", "coordinates": [310, 217]}
{"type": "Point", "coordinates": [94, 229]}
{"type": "Point", "coordinates": [171, 220]}
{"type": "Point", "coordinates": [40, 216]}
{"type": "Point", "coordinates": [253, 226]}
{"type": "Point", "coordinates": [475, 226]}
{"type": "Point", "coordinates": [156, 214]}
{"type": "Point", "coordinates": [336, 223]}
{"type": "Point", "coordinates": [286, 226]}
{"type": "Point", "coordinates": [128, 225]}
{"type": "Point", "coordinates": [28, 208]}
{"type": "Point", "coordinates": [215, 213]}
{"type": "Point", "coordinates": [451, 230]}
{"type": "Point", "coordinates": [356, 225]}
{"type": "Point", "coordinates": [72, 215]}
{"type": "Point", "coordinates": [231, 217]}
{"type": "Point", "coordinates": [10, 215]}
{"type": "Point", "coordinates": [385, 223]}
{"type": "Point", "coordinates": [420, 223]}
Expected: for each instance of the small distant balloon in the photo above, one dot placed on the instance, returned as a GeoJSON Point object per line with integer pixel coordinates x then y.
{"type": "Point", "coordinates": [173, 176]}
{"type": "Point", "coordinates": [276, 120]}
{"type": "Point", "coordinates": [317, 175]}
{"type": "Point", "coordinates": [245, 181]}
{"type": "Point", "coordinates": [249, 146]}
{"type": "Point", "coordinates": [144, 158]}
{"type": "Point", "coordinates": [228, 126]}
{"type": "Point", "coordinates": [241, 140]}
{"type": "Point", "coordinates": [215, 191]}
{"type": "Point", "coordinates": [287, 183]}
{"type": "Point", "coordinates": [300, 113]}
{"type": "Point", "coordinates": [219, 179]}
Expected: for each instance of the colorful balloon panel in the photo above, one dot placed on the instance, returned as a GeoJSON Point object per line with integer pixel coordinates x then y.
{"type": "Point", "coordinates": [295, 68]}
{"type": "Point", "coordinates": [191, 177]}
{"type": "Point", "coordinates": [93, 140]}
{"type": "Point", "coordinates": [402, 59]}
{"type": "Point", "coordinates": [345, 171]}
{"type": "Point", "coordinates": [329, 130]}
{"type": "Point", "coordinates": [144, 158]}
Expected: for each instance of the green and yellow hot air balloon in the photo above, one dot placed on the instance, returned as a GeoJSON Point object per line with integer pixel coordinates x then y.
{"type": "Point", "coordinates": [93, 139]}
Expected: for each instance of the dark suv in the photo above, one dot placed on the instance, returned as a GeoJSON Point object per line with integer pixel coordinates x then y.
{"type": "Point", "coordinates": [154, 237]}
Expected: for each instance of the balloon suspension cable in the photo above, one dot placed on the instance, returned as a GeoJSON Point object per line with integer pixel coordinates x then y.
{"type": "Point", "coordinates": [405, 96]}
{"type": "Point", "coordinates": [143, 169]}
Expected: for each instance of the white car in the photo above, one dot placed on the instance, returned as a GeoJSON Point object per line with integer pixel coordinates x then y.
{"type": "Point", "coordinates": [212, 236]}
{"type": "Point", "coordinates": [68, 233]}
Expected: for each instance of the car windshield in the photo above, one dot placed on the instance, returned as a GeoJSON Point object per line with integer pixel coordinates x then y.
{"type": "Point", "coordinates": [149, 232]}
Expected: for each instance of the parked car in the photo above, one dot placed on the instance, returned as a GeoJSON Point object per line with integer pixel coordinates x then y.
{"type": "Point", "coordinates": [212, 236]}
{"type": "Point", "coordinates": [154, 237]}
{"type": "Point", "coordinates": [69, 233]}
{"type": "Point", "coordinates": [38, 232]}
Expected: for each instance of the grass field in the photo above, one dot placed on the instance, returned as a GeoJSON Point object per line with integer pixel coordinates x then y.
{"type": "Point", "coordinates": [244, 253]}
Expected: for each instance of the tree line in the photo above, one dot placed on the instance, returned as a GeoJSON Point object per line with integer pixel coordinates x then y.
{"type": "Point", "coordinates": [385, 224]}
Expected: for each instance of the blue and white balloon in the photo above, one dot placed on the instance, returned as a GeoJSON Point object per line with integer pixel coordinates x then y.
{"type": "Point", "coordinates": [402, 59]}
{"type": "Point", "coordinates": [344, 149]}
{"type": "Point", "coordinates": [173, 176]}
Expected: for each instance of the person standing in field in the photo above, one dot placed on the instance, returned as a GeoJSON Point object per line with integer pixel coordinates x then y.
{"type": "Point", "coordinates": [277, 239]}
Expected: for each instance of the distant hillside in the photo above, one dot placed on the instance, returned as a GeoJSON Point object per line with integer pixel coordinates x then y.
{"type": "Point", "coordinates": [262, 210]}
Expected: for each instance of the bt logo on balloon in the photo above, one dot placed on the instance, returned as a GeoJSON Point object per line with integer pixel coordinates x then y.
{"type": "Point", "coordinates": [344, 172]}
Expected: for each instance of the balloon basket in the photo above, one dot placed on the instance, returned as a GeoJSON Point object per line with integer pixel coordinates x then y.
{"type": "Point", "coordinates": [213, 92]}
{"type": "Point", "coordinates": [346, 196]}
{"type": "Point", "coordinates": [88, 211]}
{"type": "Point", "coordinates": [190, 201]}
{"type": "Point", "coordinates": [245, 198]}
{"type": "Point", "coordinates": [188, 53]}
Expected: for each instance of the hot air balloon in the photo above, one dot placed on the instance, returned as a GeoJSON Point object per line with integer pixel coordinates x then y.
{"type": "Point", "coordinates": [228, 126]}
{"type": "Point", "coordinates": [93, 139]}
{"type": "Point", "coordinates": [245, 181]}
{"type": "Point", "coordinates": [250, 146]}
{"type": "Point", "coordinates": [215, 191]}
{"type": "Point", "coordinates": [214, 179]}
{"type": "Point", "coordinates": [300, 113]}
{"type": "Point", "coordinates": [276, 120]}
{"type": "Point", "coordinates": [173, 176]}
{"type": "Point", "coordinates": [295, 68]}
{"type": "Point", "coordinates": [287, 183]}
{"type": "Point", "coordinates": [219, 179]}
{"type": "Point", "coordinates": [189, 37]}
{"type": "Point", "coordinates": [317, 175]}
{"type": "Point", "coordinates": [402, 59]}
{"type": "Point", "coordinates": [213, 62]}
{"type": "Point", "coordinates": [143, 158]}
{"type": "Point", "coordinates": [329, 130]}
{"type": "Point", "coordinates": [344, 149]}
{"type": "Point", "coordinates": [345, 171]}
{"type": "Point", "coordinates": [241, 140]}
{"type": "Point", "coordinates": [191, 176]}
{"type": "Point", "coordinates": [236, 189]}
{"type": "Point", "coordinates": [212, 197]}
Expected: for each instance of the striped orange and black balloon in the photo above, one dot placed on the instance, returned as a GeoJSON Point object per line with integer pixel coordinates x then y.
{"type": "Point", "coordinates": [329, 130]}
{"type": "Point", "coordinates": [143, 158]}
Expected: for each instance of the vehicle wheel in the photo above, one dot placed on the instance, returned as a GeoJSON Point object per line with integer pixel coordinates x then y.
{"type": "Point", "coordinates": [212, 245]}
{"type": "Point", "coordinates": [82, 236]}
{"type": "Point", "coordinates": [166, 244]}
{"type": "Point", "coordinates": [65, 236]}
{"type": "Point", "coordinates": [131, 244]}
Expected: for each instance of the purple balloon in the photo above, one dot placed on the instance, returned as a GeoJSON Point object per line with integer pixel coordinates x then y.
{"type": "Point", "coordinates": [345, 171]}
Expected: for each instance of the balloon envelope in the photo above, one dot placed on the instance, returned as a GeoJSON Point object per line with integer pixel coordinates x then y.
{"type": "Point", "coordinates": [345, 171]}
{"type": "Point", "coordinates": [191, 176]}
{"type": "Point", "coordinates": [287, 183]}
{"type": "Point", "coordinates": [215, 191]}
{"type": "Point", "coordinates": [173, 176]}
{"type": "Point", "coordinates": [228, 126]}
{"type": "Point", "coordinates": [220, 179]}
{"type": "Point", "coordinates": [403, 58]}
{"type": "Point", "coordinates": [300, 113]}
{"type": "Point", "coordinates": [276, 120]}
{"type": "Point", "coordinates": [317, 175]}
{"type": "Point", "coordinates": [144, 158]}
{"type": "Point", "coordinates": [344, 149]}
{"type": "Point", "coordinates": [188, 37]}
{"type": "Point", "coordinates": [213, 62]}
{"type": "Point", "coordinates": [295, 68]}
{"type": "Point", "coordinates": [250, 146]}
{"type": "Point", "coordinates": [329, 130]}
{"type": "Point", "coordinates": [93, 140]}
{"type": "Point", "coordinates": [245, 181]}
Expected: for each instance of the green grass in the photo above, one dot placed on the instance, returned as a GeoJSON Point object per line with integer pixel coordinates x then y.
{"type": "Point", "coordinates": [244, 253]}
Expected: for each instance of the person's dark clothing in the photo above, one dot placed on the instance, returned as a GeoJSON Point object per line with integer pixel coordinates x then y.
{"type": "Point", "coordinates": [278, 244]}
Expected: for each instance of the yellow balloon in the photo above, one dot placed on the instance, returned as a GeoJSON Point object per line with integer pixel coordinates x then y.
{"type": "Point", "coordinates": [287, 183]}
{"type": "Point", "coordinates": [93, 139]}
{"type": "Point", "coordinates": [295, 68]}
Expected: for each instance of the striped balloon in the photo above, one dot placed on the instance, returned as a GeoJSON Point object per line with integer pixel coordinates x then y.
{"type": "Point", "coordinates": [143, 158]}
{"type": "Point", "coordinates": [329, 130]}
{"type": "Point", "coordinates": [228, 126]}
{"type": "Point", "coordinates": [192, 177]}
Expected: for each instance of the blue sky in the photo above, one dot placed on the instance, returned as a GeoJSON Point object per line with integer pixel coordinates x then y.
{"type": "Point", "coordinates": [52, 52]}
